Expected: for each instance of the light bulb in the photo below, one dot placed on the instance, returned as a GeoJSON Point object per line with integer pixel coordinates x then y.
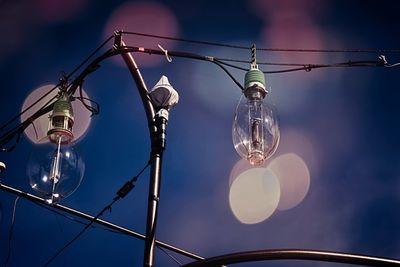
{"type": "Point", "coordinates": [55, 169]}
{"type": "Point", "coordinates": [255, 130]}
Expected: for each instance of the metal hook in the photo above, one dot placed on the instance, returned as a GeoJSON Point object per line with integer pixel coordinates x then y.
{"type": "Point", "coordinates": [169, 59]}
{"type": "Point", "coordinates": [383, 60]}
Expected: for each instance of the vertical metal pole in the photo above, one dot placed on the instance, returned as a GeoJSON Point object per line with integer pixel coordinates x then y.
{"type": "Point", "coordinates": [152, 209]}
{"type": "Point", "coordinates": [157, 149]}
{"type": "Point", "coordinates": [157, 136]}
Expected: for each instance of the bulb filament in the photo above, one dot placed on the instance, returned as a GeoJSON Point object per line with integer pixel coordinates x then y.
{"type": "Point", "coordinates": [55, 168]}
{"type": "Point", "coordinates": [256, 134]}
{"type": "Point", "coordinates": [255, 149]}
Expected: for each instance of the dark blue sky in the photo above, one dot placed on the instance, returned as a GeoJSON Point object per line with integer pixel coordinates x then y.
{"type": "Point", "coordinates": [341, 122]}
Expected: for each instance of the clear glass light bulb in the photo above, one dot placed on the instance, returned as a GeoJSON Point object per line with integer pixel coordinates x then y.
{"type": "Point", "coordinates": [55, 170]}
{"type": "Point", "coordinates": [255, 130]}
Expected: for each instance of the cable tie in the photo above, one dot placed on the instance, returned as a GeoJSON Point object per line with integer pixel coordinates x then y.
{"type": "Point", "coordinates": [169, 59]}
{"type": "Point", "coordinates": [125, 189]}
{"type": "Point", "coordinates": [209, 58]}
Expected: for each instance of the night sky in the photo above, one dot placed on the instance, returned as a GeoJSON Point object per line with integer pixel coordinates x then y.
{"type": "Point", "coordinates": [338, 155]}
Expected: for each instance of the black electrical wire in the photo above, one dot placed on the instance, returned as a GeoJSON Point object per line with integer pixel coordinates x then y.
{"type": "Point", "coordinates": [10, 235]}
{"type": "Point", "coordinates": [231, 65]}
{"type": "Point", "coordinates": [93, 107]}
{"type": "Point", "coordinates": [171, 256]}
{"type": "Point", "coordinates": [122, 192]}
{"type": "Point", "coordinates": [265, 49]}
{"type": "Point", "coordinates": [108, 207]}
{"type": "Point", "coordinates": [102, 228]}
{"type": "Point", "coordinates": [309, 67]}
{"type": "Point", "coordinates": [220, 45]}
{"type": "Point", "coordinates": [95, 110]}
{"type": "Point", "coordinates": [336, 65]}
{"type": "Point", "coordinates": [19, 129]}
{"type": "Point", "coordinates": [8, 136]}
{"type": "Point", "coordinates": [94, 65]}
{"type": "Point", "coordinates": [276, 63]}
{"type": "Point", "coordinates": [56, 86]}
{"type": "Point", "coordinates": [187, 40]}
{"type": "Point", "coordinates": [68, 217]}
{"type": "Point", "coordinates": [219, 64]}
{"type": "Point", "coordinates": [90, 56]}
{"type": "Point", "coordinates": [28, 108]}
{"type": "Point", "coordinates": [77, 213]}
{"type": "Point", "coordinates": [330, 50]}
{"type": "Point", "coordinates": [182, 55]}
{"type": "Point", "coordinates": [302, 66]}
{"type": "Point", "coordinates": [17, 136]}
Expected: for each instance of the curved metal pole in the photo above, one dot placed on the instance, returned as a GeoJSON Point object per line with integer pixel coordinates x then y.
{"type": "Point", "coordinates": [156, 154]}
{"type": "Point", "coordinates": [141, 86]}
{"type": "Point", "coordinates": [293, 254]}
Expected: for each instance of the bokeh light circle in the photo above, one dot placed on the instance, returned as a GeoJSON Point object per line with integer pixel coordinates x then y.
{"type": "Point", "coordinates": [294, 179]}
{"type": "Point", "coordinates": [241, 166]}
{"type": "Point", "coordinates": [144, 17]}
{"type": "Point", "coordinates": [212, 88]}
{"type": "Point", "coordinates": [58, 10]}
{"type": "Point", "coordinates": [254, 195]}
{"type": "Point", "coordinates": [38, 130]}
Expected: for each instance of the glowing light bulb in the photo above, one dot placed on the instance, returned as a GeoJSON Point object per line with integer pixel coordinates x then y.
{"type": "Point", "coordinates": [255, 130]}
{"type": "Point", "coordinates": [55, 169]}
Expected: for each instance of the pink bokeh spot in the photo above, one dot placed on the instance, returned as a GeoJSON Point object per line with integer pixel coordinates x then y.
{"type": "Point", "coordinates": [58, 10]}
{"type": "Point", "coordinates": [295, 32]}
{"type": "Point", "coordinates": [37, 131]}
{"type": "Point", "coordinates": [294, 179]}
{"type": "Point", "coordinates": [149, 18]}
{"type": "Point", "coordinates": [290, 24]}
{"type": "Point", "coordinates": [274, 8]}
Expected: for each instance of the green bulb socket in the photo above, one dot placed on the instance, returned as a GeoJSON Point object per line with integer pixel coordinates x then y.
{"type": "Point", "coordinates": [252, 76]}
{"type": "Point", "coordinates": [254, 84]}
{"type": "Point", "coordinates": [63, 106]}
